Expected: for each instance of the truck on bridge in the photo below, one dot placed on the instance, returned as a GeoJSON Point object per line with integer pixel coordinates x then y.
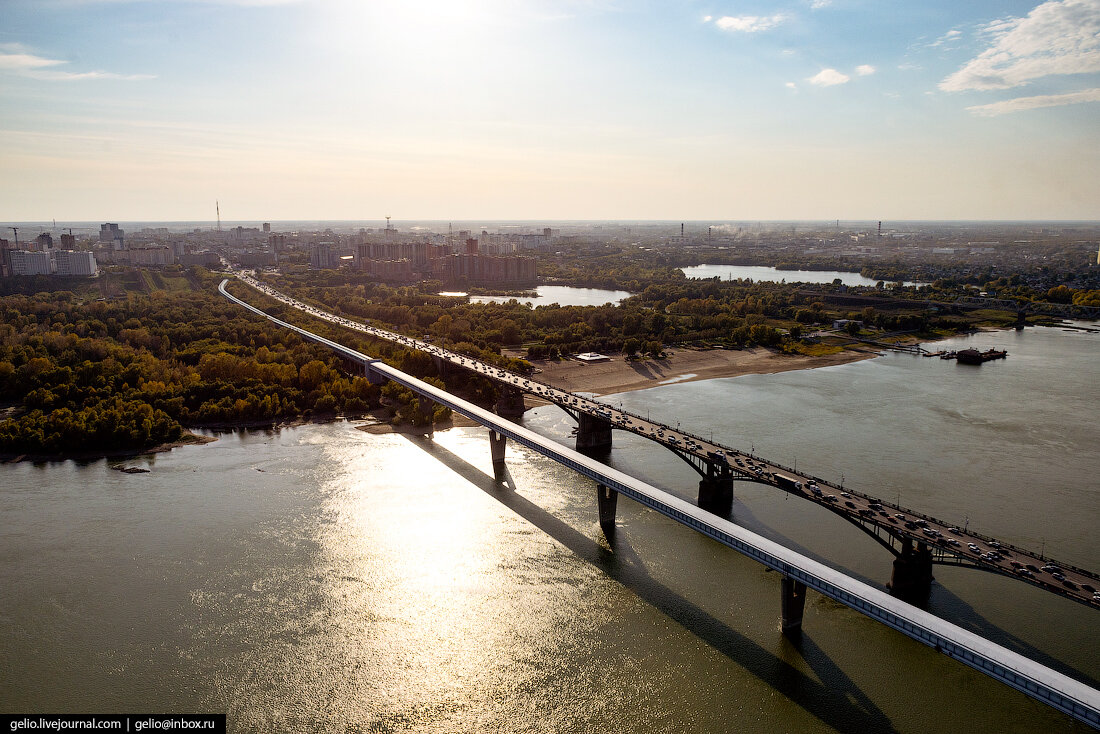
{"type": "Point", "coordinates": [788, 483]}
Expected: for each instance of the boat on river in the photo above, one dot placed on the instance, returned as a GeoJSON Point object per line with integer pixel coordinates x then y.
{"type": "Point", "coordinates": [973, 356]}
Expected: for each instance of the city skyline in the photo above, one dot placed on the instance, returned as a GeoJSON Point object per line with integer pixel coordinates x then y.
{"type": "Point", "coordinates": [331, 110]}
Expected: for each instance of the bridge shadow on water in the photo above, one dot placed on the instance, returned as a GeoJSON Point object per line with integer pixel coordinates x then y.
{"type": "Point", "coordinates": [962, 613]}
{"type": "Point", "coordinates": [943, 603]}
{"type": "Point", "coordinates": [836, 701]}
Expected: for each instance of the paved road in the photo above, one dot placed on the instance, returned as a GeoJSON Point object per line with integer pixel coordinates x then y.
{"type": "Point", "coordinates": [949, 543]}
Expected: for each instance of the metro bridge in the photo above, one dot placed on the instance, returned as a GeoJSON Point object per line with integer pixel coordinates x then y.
{"type": "Point", "coordinates": [799, 573]}
{"type": "Point", "coordinates": [916, 540]}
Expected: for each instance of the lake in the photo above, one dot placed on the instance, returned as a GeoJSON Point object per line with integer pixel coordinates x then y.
{"type": "Point", "coordinates": [562, 295]}
{"type": "Point", "coordinates": [762, 272]}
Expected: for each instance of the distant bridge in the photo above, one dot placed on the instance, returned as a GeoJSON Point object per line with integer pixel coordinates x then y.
{"type": "Point", "coordinates": [916, 540]}
{"type": "Point", "coordinates": [799, 573]}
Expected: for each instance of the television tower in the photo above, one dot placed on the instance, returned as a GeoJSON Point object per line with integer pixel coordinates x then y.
{"type": "Point", "coordinates": [218, 209]}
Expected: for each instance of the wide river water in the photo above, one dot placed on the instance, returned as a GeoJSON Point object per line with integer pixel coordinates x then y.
{"type": "Point", "coordinates": [321, 578]}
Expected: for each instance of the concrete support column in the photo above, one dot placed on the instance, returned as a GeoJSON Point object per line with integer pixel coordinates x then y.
{"type": "Point", "coordinates": [497, 444]}
{"type": "Point", "coordinates": [716, 489]}
{"type": "Point", "coordinates": [510, 402]}
{"type": "Point", "coordinates": [911, 578]}
{"type": "Point", "coordinates": [593, 434]}
{"type": "Point", "coordinates": [427, 407]}
{"type": "Point", "coordinates": [792, 605]}
{"type": "Point", "coordinates": [716, 495]}
{"type": "Point", "coordinates": [374, 377]}
{"type": "Point", "coordinates": [440, 365]}
{"type": "Point", "coordinates": [606, 500]}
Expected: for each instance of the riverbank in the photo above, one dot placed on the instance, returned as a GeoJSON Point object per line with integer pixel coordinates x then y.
{"type": "Point", "coordinates": [380, 424]}
{"type": "Point", "coordinates": [188, 439]}
{"type": "Point", "coordinates": [683, 365]}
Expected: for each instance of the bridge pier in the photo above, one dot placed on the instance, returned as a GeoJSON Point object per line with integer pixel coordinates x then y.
{"type": "Point", "coordinates": [510, 402]}
{"type": "Point", "coordinates": [716, 495]}
{"type": "Point", "coordinates": [374, 377]}
{"type": "Point", "coordinates": [912, 575]}
{"type": "Point", "coordinates": [426, 406]}
{"type": "Point", "coordinates": [497, 444]}
{"type": "Point", "coordinates": [593, 434]}
{"type": "Point", "coordinates": [606, 500]}
{"type": "Point", "coordinates": [792, 604]}
{"type": "Point", "coordinates": [440, 365]}
{"type": "Point", "coordinates": [716, 489]}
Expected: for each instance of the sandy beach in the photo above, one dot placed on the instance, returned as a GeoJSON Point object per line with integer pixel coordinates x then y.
{"type": "Point", "coordinates": [681, 365]}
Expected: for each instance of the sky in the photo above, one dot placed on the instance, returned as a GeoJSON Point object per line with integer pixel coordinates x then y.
{"type": "Point", "coordinates": [123, 110]}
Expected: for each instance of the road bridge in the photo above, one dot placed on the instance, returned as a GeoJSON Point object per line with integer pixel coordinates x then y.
{"type": "Point", "coordinates": [799, 573]}
{"type": "Point", "coordinates": [916, 540]}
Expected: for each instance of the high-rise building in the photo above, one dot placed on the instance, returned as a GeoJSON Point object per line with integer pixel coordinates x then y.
{"type": "Point", "coordinates": [322, 256]}
{"type": "Point", "coordinates": [468, 269]}
{"type": "Point", "coordinates": [69, 262]}
{"type": "Point", "coordinates": [25, 262]}
{"type": "Point", "coordinates": [5, 258]}
{"type": "Point", "coordinates": [267, 226]}
{"type": "Point", "coordinates": [416, 252]}
{"type": "Point", "coordinates": [43, 241]}
{"type": "Point", "coordinates": [151, 256]}
{"type": "Point", "coordinates": [109, 232]}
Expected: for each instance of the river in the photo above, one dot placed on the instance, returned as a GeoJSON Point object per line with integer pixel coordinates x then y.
{"type": "Point", "coordinates": [768, 273]}
{"type": "Point", "coordinates": [320, 578]}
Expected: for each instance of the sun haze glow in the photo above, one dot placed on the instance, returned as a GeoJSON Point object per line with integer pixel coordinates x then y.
{"type": "Point", "coordinates": [580, 109]}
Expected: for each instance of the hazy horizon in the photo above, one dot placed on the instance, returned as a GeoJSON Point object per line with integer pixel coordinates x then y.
{"type": "Point", "coordinates": [578, 110]}
{"type": "Point", "coordinates": [440, 225]}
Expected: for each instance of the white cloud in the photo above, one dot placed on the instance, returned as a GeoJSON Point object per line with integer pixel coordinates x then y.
{"type": "Point", "coordinates": [71, 76]}
{"type": "Point", "coordinates": [819, 4]}
{"type": "Point", "coordinates": [946, 39]}
{"type": "Point", "coordinates": [750, 23]}
{"type": "Point", "coordinates": [828, 78]}
{"type": "Point", "coordinates": [708, 18]}
{"type": "Point", "coordinates": [38, 67]}
{"type": "Point", "coordinates": [24, 62]}
{"type": "Point", "coordinates": [1057, 37]}
{"type": "Point", "coordinates": [865, 70]}
{"type": "Point", "coordinates": [791, 85]}
{"type": "Point", "coordinates": [1032, 103]}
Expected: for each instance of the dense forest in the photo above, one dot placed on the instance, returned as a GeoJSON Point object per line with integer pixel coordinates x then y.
{"type": "Point", "coordinates": [670, 311]}
{"type": "Point", "coordinates": [129, 373]}
{"type": "Point", "coordinates": [131, 359]}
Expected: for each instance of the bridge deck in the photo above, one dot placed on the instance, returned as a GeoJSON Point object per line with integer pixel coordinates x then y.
{"type": "Point", "coordinates": [950, 543]}
{"type": "Point", "coordinates": [1051, 687]}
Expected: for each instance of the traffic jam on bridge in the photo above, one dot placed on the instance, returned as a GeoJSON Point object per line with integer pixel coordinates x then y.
{"type": "Point", "coordinates": [947, 540]}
